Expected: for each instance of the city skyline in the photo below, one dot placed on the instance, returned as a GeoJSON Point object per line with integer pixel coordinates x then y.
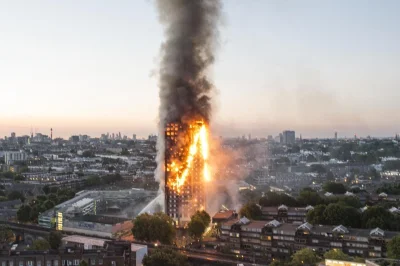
{"type": "Point", "coordinates": [312, 67]}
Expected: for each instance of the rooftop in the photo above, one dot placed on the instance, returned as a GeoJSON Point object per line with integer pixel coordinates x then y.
{"type": "Point", "coordinates": [85, 240]}
{"type": "Point", "coordinates": [224, 214]}
{"type": "Point", "coordinates": [82, 202]}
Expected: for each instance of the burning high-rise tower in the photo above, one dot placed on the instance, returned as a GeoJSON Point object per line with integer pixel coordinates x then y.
{"type": "Point", "coordinates": [185, 107]}
{"type": "Point", "coordinates": [186, 169]}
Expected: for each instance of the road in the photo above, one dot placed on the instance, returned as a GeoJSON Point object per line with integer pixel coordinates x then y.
{"type": "Point", "coordinates": [214, 258]}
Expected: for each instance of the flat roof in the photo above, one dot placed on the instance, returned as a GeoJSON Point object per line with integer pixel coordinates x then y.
{"type": "Point", "coordinates": [82, 202]}
{"type": "Point", "coordinates": [85, 240]}
{"type": "Point", "coordinates": [136, 247]}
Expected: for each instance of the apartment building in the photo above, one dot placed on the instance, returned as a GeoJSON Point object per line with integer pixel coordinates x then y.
{"type": "Point", "coordinates": [276, 239]}
{"type": "Point", "coordinates": [14, 156]}
{"type": "Point", "coordinates": [286, 214]}
{"type": "Point", "coordinates": [114, 253]}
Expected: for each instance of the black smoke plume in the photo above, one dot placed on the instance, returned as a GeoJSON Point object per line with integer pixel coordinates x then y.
{"type": "Point", "coordinates": [191, 32]}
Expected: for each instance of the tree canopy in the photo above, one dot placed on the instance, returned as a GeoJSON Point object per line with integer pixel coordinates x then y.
{"type": "Point", "coordinates": [83, 263]}
{"type": "Point", "coordinates": [23, 213]}
{"type": "Point", "coordinates": [251, 211]}
{"type": "Point", "coordinates": [6, 234]}
{"type": "Point", "coordinates": [305, 256]}
{"type": "Point", "coordinates": [13, 195]}
{"type": "Point", "coordinates": [376, 216]}
{"type": "Point", "coordinates": [30, 212]}
{"type": "Point", "coordinates": [153, 228]}
{"type": "Point", "coordinates": [165, 257]}
{"type": "Point", "coordinates": [393, 248]}
{"type": "Point", "coordinates": [276, 199]}
{"type": "Point", "coordinates": [198, 224]}
{"type": "Point", "coordinates": [55, 239]}
{"type": "Point", "coordinates": [316, 216]}
{"type": "Point", "coordinates": [336, 254]}
{"type": "Point", "coordinates": [309, 197]}
{"type": "Point", "coordinates": [335, 188]}
{"type": "Point", "coordinates": [40, 244]}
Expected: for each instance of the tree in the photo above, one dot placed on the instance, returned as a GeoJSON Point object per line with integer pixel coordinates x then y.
{"type": "Point", "coordinates": [393, 248]}
{"type": "Point", "coordinates": [309, 197]}
{"type": "Point", "coordinates": [6, 234]}
{"type": "Point", "coordinates": [352, 217]}
{"type": "Point", "coordinates": [359, 259]}
{"type": "Point", "coordinates": [330, 176]}
{"type": "Point", "coordinates": [198, 224]}
{"type": "Point", "coordinates": [83, 263]}
{"type": "Point", "coordinates": [251, 211]}
{"type": "Point", "coordinates": [196, 227]}
{"type": "Point", "coordinates": [278, 263]}
{"type": "Point", "coordinates": [318, 168]}
{"type": "Point", "coordinates": [336, 254]}
{"type": "Point", "coordinates": [311, 158]}
{"type": "Point", "coordinates": [305, 256]}
{"type": "Point", "coordinates": [335, 188]}
{"type": "Point", "coordinates": [374, 174]}
{"type": "Point", "coordinates": [48, 204]}
{"type": "Point", "coordinates": [111, 169]}
{"type": "Point", "coordinates": [125, 152]}
{"type": "Point", "coordinates": [152, 228]}
{"type": "Point", "coordinates": [391, 165]}
{"type": "Point", "coordinates": [13, 195]}
{"type": "Point", "coordinates": [376, 216]}
{"type": "Point", "coordinates": [40, 244]}
{"type": "Point", "coordinates": [23, 213]}
{"type": "Point", "coordinates": [55, 239]}
{"type": "Point", "coordinates": [350, 201]}
{"type": "Point", "coordinates": [88, 154]}
{"type": "Point", "coordinates": [275, 199]}
{"type": "Point", "coordinates": [46, 189]}
{"type": "Point", "coordinates": [336, 214]}
{"type": "Point", "coordinates": [204, 216]}
{"type": "Point", "coordinates": [93, 181]}
{"type": "Point", "coordinates": [165, 257]}
{"type": "Point", "coordinates": [316, 216]}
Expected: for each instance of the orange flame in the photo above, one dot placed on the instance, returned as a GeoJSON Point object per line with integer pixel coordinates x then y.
{"type": "Point", "coordinates": [200, 139]}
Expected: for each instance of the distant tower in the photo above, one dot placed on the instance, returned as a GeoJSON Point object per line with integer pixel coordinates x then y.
{"type": "Point", "coordinates": [51, 133]}
{"type": "Point", "coordinates": [335, 135]}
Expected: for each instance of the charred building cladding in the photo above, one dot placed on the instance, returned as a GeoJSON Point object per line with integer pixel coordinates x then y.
{"type": "Point", "coordinates": [184, 170]}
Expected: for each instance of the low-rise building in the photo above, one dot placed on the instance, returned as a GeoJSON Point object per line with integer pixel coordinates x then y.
{"type": "Point", "coordinates": [276, 239]}
{"type": "Point", "coordinates": [224, 216]}
{"type": "Point", "coordinates": [286, 214]}
{"type": "Point", "coordinates": [113, 253]}
{"type": "Point", "coordinates": [45, 177]}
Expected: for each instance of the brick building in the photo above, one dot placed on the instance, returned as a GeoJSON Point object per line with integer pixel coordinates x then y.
{"type": "Point", "coordinates": [113, 253]}
{"type": "Point", "coordinates": [276, 239]}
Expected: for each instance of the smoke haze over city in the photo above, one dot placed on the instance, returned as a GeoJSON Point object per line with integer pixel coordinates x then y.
{"type": "Point", "coordinates": [314, 66]}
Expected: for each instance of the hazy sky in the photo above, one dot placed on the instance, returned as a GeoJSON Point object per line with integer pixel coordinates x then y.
{"type": "Point", "coordinates": [312, 66]}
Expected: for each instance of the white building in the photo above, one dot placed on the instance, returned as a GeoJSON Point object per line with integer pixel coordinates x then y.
{"type": "Point", "coordinates": [85, 205]}
{"type": "Point", "coordinates": [14, 156]}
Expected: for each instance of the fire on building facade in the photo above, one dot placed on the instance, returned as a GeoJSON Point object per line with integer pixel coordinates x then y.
{"type": "Point", "coordinates": [186, 170]}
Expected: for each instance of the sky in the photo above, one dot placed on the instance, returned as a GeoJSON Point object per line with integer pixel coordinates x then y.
{"type": "Point", "coordinates": [313, 66]}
